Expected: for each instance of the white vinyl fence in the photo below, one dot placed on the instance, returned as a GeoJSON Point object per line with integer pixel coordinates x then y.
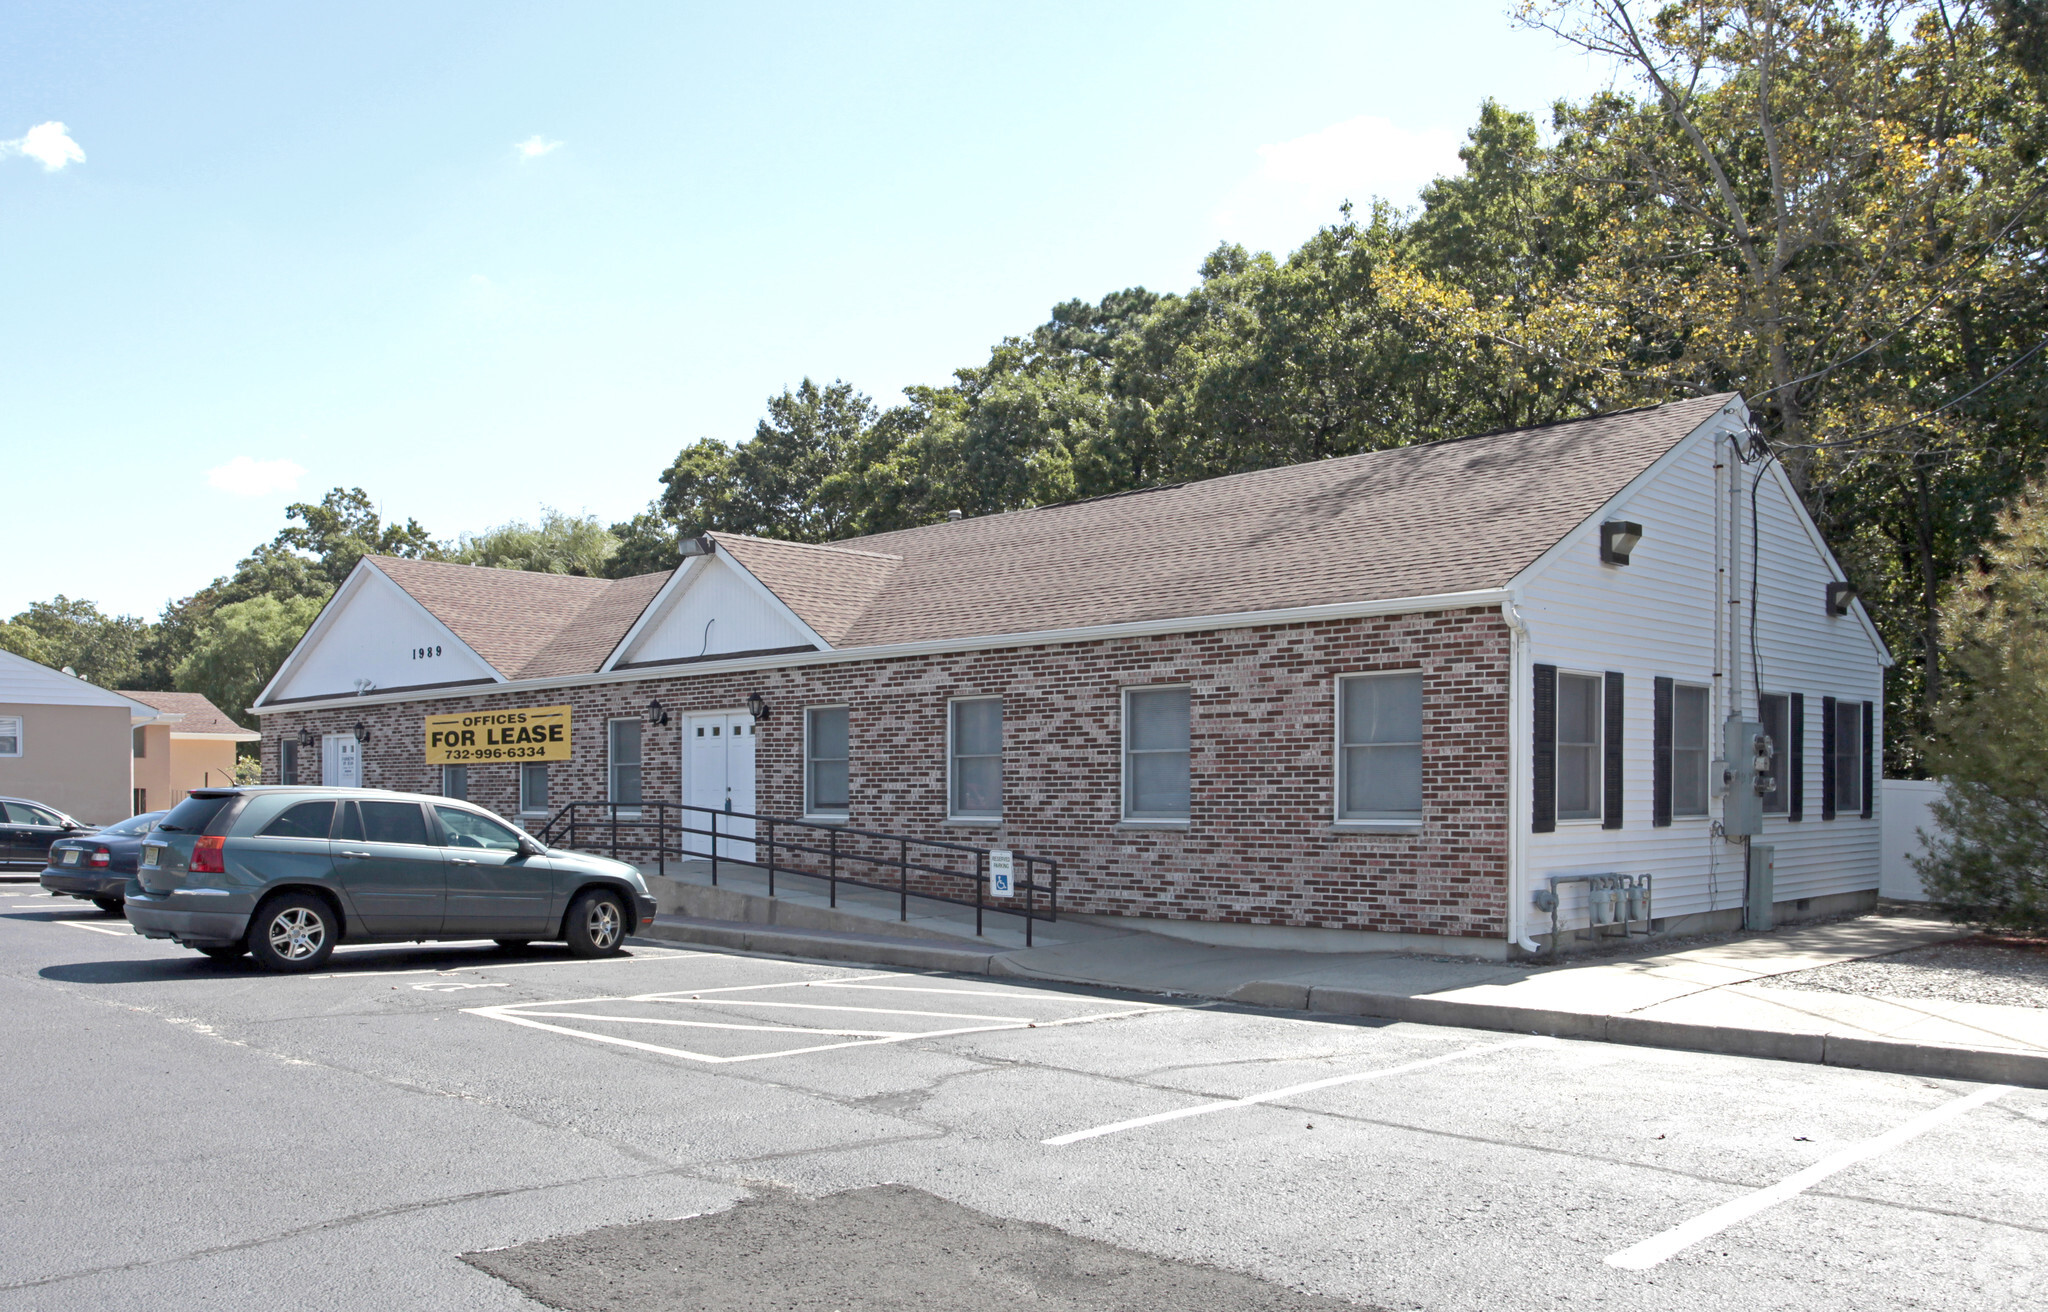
{"type": "Point", "coordinates": [1903, 815]}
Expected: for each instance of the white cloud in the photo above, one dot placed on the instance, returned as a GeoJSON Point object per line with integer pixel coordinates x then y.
{"type": "Point", "coordinates": [244, 477]}
{"type": "Point", "coordinates": [47, 143]}
{"type": "Point", "coordinates": [535, 146]}
{"type": "Point", "coordinates": [1299, 184]}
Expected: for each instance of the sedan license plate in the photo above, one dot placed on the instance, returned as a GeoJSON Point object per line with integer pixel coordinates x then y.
{"type": "Point", "coordinates": [150, 853]}
{"type": "Point", "coordinates": [71, 857]}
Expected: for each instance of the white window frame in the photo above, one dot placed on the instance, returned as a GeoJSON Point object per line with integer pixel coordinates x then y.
{"type": "Point", "coordinates": [524, 766]}
{"type": "Point", "coordinates": [446, 772]}
{"type": "Point", "coordinates": [1706, 753]}
{"type": "Point", "coordinates": [1850, 711]}
{"type": "Point", "coordinates": [20, 730]}
{"type": "Point", "coordinates": [1123, 756]}
{"type": "Point", "coordinates": [1599, 799]}
{"type": "Point", "coordinates": [953, 813]}
{"type": "Point", "coordinates": [288, 760]}
{"type": "Point", "coordinates": [1368, 824]}
{"type": "Point", "coordinates": [812, 811]}
{"type": "Point", "coordinates": [611, 765]}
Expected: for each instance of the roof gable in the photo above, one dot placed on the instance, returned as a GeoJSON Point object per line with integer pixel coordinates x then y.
{"type": "Point", "coordinates": [714, 607]}
{"type": "Point", "coordinates": [374, 634]}
{"type": "Point", "coordinates": [24, 682]}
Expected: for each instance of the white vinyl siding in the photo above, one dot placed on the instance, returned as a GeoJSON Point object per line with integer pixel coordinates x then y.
{"type": "Point", "coordinates": [1156, 754]}
{"type": "Point", "coordinates": [1655, 618]}
{"type": "Point", "coordinates": [975, 750]}
{"type": "Point", "coordinates": [1578, 746]}
{"type": "Point", "coordinates": [826, 761]}
{"type": "Point", "coordinates": [1692, 737]}
{"type": "Point", "coordinates": [1379, 740]}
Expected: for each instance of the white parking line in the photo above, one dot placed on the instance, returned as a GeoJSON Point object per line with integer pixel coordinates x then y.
{"type": "Point", "coordinates": [1274, 1095]}
{"type": "Point", "coordinates": [639, 954]}
{"type": "Point", "coordinates": [97, 929]}
{"type": "Point", "coordinates": [1643, 1256]}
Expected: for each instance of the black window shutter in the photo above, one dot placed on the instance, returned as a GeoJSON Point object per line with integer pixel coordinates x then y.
{"type": "Point", "coordinates": [1610, 748]}
{"type": "Point", "coordinates": [1869, 723]}
{"type": "Point", "coordinates": [1660, 752]}
{"type": "Point", "coordinates": [1795, 758]}
{"type": "Point", "coordinates": [1543, 779]}
{"type": "Point", "coordinates": [1827, 758]}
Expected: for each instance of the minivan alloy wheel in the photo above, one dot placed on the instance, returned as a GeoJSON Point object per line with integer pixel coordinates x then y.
{"type": "Point", "coordinates": [603, 924]}
{"type": "Point", "coordinates": [296, 933]}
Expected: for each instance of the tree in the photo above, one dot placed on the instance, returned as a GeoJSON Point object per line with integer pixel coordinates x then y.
{"type": "Point", "coordinates": [101, 649]}
{"type": "Point", "coordinates": [1988, 860]}
{"type": "Point", "coordinates": [241, 647]}
{"type": "Point", "coordinates": [344, 527]}
{"type": "Point", "coordinates": [648, 544]}
{"type": "Point", "coordinates": [559, 544]}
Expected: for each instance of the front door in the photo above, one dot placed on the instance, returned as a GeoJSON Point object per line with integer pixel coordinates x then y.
{"type": "Point", "coordinates": [341, 761]}
{"type": "Point", "coordinates": [718, 773]}
{"type": "Point", "coordinates": [391, 867]}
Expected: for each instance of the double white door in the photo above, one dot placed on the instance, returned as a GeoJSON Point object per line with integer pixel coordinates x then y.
{"type": "Point", "coordinates": [718, 772]}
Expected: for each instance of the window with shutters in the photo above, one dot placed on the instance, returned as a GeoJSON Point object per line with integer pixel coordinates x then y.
{"type": "Point", "coordinates": [1379, 748]}
{"type": "Point", "coordinates": [1156, 754]}
{"type": "Point", "coordinates": [1579, 704]}
{"type": "Point", "coordinates": [1774, 713]}
{"type": "Point", "coordinates": [1848, 756]}
{"type": "Point", "coordinates": [975, 749]}
{"type": "Point", "coordinates": [1691, 739]}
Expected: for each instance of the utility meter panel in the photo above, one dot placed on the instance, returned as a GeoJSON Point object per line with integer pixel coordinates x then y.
{"type": "Point", "coordinates": [1742, 810]}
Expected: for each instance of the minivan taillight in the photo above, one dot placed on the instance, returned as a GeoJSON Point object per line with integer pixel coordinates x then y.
{"type": "Point", "coordinates": [207, 858]}
{"type": "Point", "coordinates": [99, 859]}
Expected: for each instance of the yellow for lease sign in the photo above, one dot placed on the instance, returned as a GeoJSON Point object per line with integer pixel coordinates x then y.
{"type": "Point", "coordinates": [536, 733]}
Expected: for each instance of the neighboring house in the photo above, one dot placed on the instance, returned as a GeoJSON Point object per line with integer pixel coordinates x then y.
{"type": "Point", "coordinates": [66, 742]}
{"type": "Point", "coordinates": [1375, 701]}
{"type": "Point", "coordinates": [192, 745]}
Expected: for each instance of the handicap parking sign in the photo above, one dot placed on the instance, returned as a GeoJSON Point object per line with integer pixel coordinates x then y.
{"type": "Point", "coordinates": [1002, 867]}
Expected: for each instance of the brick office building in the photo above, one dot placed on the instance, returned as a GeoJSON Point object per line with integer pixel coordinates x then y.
{"type": "Point", "coordinates": [1369, 701]}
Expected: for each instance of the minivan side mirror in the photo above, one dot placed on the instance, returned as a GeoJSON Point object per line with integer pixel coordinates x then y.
{"type": "Point", "coordinates": [527, 847]}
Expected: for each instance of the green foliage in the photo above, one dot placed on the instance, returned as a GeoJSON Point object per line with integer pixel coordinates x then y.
{"type": "Point", "coordinates": [648, 543]}
{"type": "Point", "coordinates": [343, 528]}
{"type": "Point", "coordinates": [241, 647]}
{"type": "Point", "coordinates": [1988, 861]}
{"type": "Point", "coordinates": [559, 544]}
{"type": "Point", "coordinates": [102, 649]}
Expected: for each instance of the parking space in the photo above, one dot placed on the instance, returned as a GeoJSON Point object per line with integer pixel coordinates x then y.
{"type": "Point", "coordinates": [1391, 1165]}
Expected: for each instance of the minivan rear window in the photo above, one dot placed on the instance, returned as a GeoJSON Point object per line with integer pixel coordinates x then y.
{"type": "Point", "coordinates": [306, 820]}
{"type": "Point", "coordinates": [192, 815]}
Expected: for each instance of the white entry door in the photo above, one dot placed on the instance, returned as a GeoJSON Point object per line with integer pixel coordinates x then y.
{"type": "Point", "coordinates": [718, 772]}
{"type": "Point", "coordinates": [341, 761]}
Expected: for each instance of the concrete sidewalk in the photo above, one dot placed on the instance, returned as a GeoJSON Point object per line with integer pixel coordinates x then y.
{"type": "Point", "coordinates": [1714, 998]}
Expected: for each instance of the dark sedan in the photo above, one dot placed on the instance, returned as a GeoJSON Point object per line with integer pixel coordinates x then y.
{"type": "Point", "coordinates": [28, 828]}
{"type": "Point", "coordinates": [97, 867]}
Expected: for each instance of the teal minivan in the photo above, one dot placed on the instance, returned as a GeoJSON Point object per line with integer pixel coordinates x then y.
{"type": "Point", "coordinates": [286, 873]}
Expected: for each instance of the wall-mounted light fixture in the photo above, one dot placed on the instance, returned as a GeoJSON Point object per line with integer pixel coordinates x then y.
{"type": "Point", "coordinates": [1839, 597]}
{"type": "Point", "coordinates": [306, 738]}
{"type": "Point", "coordinates": [656, 712]}
{"type": "Point", "coordinates": [757, 706]}
{"type": "Point", "coordinates": [362, 732]}
{"type": "Point", "coordinates": [1618, 537]}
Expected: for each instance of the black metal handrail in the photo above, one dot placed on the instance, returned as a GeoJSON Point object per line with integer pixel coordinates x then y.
{"type": "Point", "coordinates": [624, 827]}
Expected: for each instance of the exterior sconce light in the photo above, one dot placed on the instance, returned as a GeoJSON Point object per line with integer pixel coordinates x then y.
{"type": "Point", "coordinates": [757, 706]}
{"type": "Point", "coordinates": [1839, 597]}
{"type": "Point", "coordinates": [1618, 537]}
{"type": "Point", "coordinates": [306, 738]}
{"type": "Point", "coordinates": [656, 712]}
{"type": "Point", "coordinates": [362, 732]}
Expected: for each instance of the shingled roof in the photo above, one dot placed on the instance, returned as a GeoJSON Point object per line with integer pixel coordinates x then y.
{"type": "Point", "coordinates": [200, 716]}
{"type": "Point", "coordinates": [1444, 517]}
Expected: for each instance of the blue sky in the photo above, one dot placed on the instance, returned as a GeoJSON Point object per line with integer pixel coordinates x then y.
{"type": "Point", "coordinates": [478, 258]}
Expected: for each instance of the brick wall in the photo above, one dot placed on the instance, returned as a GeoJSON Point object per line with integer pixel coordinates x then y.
{"type": "Point", "coordinates": [1260, 847]}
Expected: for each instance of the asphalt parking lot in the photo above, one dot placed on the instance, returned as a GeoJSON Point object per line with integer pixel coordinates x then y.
{"type": "Point", "coordinates": [185, 1134]}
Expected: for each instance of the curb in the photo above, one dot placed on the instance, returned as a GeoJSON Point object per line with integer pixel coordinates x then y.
{"type": "Point", "coordinates": [1933, 1060]}
{"type": "Point", "coordinates": [818, 944]}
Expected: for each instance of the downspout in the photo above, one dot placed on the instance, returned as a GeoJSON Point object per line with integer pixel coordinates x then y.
{"type": "Point", "coordinates": [1520, 678]}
